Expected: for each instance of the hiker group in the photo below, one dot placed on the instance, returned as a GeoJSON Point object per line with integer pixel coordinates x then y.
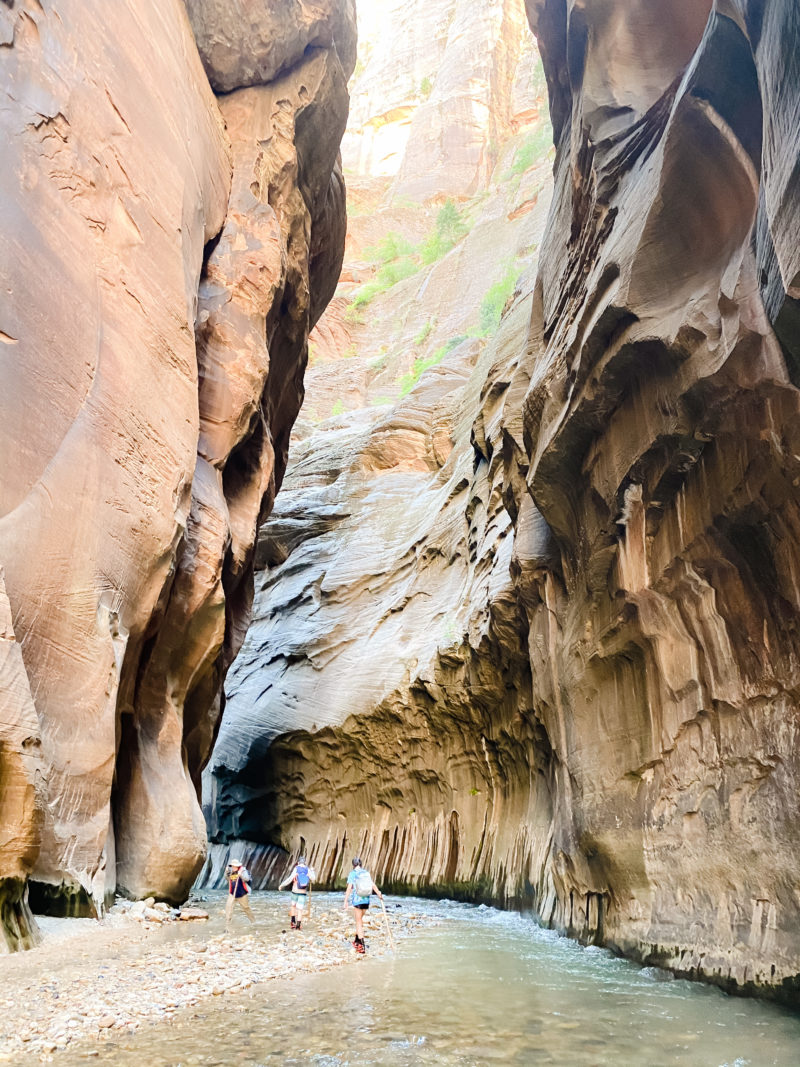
{"type": "Point", "coordinates": [360, 888]}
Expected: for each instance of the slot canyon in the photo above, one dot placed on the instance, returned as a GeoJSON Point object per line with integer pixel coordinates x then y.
{"type": "Point", "coordinates": [451, 519]}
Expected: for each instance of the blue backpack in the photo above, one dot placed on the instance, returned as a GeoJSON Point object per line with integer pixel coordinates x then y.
{"type": "Point", "coordinates": [301, 876]}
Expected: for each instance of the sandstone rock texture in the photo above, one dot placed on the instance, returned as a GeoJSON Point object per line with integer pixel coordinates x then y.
{"type": "Point", "coordinates": [160, 275]}
{"type": "Point", "coordinates": [560, 667]}
{"type": "Point", "coordinates": [658, 444]}
{"type": "Point", "coordinates": [431, 104]}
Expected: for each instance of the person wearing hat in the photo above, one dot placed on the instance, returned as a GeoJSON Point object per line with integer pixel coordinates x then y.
{"type": "Point", "coordinates": [238, 890]}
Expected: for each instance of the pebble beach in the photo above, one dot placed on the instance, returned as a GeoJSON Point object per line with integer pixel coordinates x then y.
{"type": "Point", "coordinates": [91, 982]}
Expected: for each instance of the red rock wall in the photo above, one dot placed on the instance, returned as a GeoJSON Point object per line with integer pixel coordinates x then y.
{"type": "Point", "coordinates": [137, 460]}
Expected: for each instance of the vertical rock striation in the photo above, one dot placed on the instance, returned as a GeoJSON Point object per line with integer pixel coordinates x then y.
{"type": "Point", "coordinates": [574, 683]}
{"type": "Point", "coordinates": [146, 402]}
{"type": "Point", "coordinates": [657, 443]}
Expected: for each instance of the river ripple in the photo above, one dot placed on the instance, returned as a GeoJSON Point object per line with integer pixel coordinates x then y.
{"type": "Point", "coordinates": [482, 987]}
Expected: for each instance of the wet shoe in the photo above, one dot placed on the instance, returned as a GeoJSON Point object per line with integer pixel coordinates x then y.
{"type": "Point", "coordinates": [294, 924]}
{"type": "Point", "coordinates": [298, 926]}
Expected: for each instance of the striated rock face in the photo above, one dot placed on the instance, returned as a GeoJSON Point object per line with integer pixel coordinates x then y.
{"type": "Point", "coordinates": [431, 106]}
{"type": "Point", "coordinates": [657, 443]}
{"type": "Point", "coordinates": [559, 665]}
{"type": "Point", "coordinates": [138, 458]}
{"type": "Point", "coordinates": [384, 587]}
{"type": "Point", "coordinates": [388, 545]}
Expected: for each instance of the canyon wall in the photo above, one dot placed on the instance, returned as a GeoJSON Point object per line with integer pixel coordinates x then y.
{"type": "Point", "coordinates": [431, 104]}
{"type": "Point", "coordinates": [530, 634]}
{"type": "Point", "coordinates": [165, 255]}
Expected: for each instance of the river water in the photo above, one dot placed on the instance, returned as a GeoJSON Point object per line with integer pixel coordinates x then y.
{"type": "Point", "coordinates": [481, 987]}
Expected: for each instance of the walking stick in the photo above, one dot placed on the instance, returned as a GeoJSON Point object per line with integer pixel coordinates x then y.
{"type": "Point", "coordinates": [228, 922]}
{"type": "Point", "coordinates": [309, 899]}
{"type": "Point", "coordinates": [388, 928]}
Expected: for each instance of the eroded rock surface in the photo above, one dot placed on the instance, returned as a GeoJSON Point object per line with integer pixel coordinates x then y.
{"type": "Point", "coordinates": [138, 458]}
{"type": "Point", "coordinates": [658, 430]}
{"type": "Point", "coordinates": [22, 787]}
{"type": "Point", "coordinates": [247, 42]}
{"type": "Point", "coordinates": [591, 708]}
{"type": "Point", "coordinates": [431, 105]}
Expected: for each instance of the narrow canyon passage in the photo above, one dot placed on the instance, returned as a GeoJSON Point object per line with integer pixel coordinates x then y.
{"type": "Point", "coordinates": [525, 617]}
{"type": "Point", "coordinates": [400, 459]}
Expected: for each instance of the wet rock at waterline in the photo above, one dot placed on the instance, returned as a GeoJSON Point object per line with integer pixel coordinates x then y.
{"type": "Point", "coordinates": [551, 655]}
{"type": "Point", "coordinates": [161, 277]}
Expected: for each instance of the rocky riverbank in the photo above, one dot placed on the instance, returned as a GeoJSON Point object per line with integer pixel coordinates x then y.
{"type": "Point", "coordinates": [95, 982]}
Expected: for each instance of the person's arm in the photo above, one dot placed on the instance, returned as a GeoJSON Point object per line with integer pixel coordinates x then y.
{"type": "Point", "coordinates": [287, 881]}
{"type": "Point", "coordinates": [377, 891]}
{"type": "Point", "coordinates": [347, 893]}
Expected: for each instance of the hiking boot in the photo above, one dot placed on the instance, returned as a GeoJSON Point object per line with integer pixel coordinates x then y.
{"type": "Point", "coordinates": [294, 923]}
{"type": "Point", "coordinates": [297, 927]}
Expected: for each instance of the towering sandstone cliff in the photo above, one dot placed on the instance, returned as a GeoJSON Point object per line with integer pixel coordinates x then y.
{"type": "Point", "coordinates": [164, 256]}
{"type": "Point", "coordinates": [531, 634]}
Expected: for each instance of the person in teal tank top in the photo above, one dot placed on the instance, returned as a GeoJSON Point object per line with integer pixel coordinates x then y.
{"type": "Point", "coordinates": [360, 888]}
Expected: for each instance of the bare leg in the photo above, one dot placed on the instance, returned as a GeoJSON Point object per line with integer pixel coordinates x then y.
{"type": "Point", "coordinates": [359, 923]}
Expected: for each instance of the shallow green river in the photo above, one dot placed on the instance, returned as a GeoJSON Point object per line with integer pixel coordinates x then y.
{"type": "Point", "coordinates": [482, 987]}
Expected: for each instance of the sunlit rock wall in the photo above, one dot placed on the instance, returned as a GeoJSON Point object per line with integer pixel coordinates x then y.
{"type": "Point", "coordinates": [431, 103]}
{"type": "Point", "coordinates": [386, 632]}
{"type": "Point", "coordinates": [377, 703]}
{"type": "Point", "coordinates": [159, 278]}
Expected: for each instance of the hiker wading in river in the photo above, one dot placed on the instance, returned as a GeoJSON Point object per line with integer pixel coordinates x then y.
{"type": "Point", "coordinates": [301, 878]}
{"type": "Point", "coordinates": [238, 890]}
{"type": "Point", "coordinates": [360, 888]}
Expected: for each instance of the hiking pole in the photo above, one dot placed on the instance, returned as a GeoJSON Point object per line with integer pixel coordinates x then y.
{"type": "Point", "coordinates": [229, 922]}
{"type": "Point", "coordinates": [309, 900]}
{"type": "Point", "coordinates": [388, 928]}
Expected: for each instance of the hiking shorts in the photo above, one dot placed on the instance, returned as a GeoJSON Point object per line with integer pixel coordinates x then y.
{"type": "Point", "coordinates": [361, 907]}
{"type": "Point", "coordinates": [299, 900]}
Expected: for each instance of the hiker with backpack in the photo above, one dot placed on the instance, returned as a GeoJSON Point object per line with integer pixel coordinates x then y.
{"type": "Point", "coordinates": [238, 891]}
{"type": "Point", "coordinates": [360, 888]}
{"type": "Point", "coordinates": [300, 879]}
